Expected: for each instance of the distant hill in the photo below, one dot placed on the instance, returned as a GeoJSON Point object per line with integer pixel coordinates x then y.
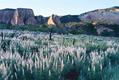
{"type": "Point", "coordinates": [105, 21]}
{"type": "Point", "coordinates": [105, 16]}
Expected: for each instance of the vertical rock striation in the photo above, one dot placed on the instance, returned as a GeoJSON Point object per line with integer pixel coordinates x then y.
{"type": "Point", "coordinates": [23, 16]}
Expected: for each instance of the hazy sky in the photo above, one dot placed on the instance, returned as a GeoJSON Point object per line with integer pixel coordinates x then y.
{"type": "Point", "coordinates": [59, 7]}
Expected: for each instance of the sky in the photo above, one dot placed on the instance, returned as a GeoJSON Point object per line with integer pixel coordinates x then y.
{"type": "Point", "coordinates": [59, 7]}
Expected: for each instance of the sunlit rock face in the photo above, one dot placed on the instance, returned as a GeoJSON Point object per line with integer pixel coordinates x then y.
{"type": "Point", "coordinates": [54, 20]}
{"type": "Point", "coordinates": [23, 16]}
{"type": "Point", "coordinates": [51, 21]}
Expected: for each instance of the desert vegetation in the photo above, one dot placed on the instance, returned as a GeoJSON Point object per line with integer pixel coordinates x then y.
{"type": "Point", "coordinates": [28, 55]}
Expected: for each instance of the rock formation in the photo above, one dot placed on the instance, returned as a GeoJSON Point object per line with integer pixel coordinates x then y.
{"type": "Point", "coordinates": [54, 20]}
{"type": "Point", "coordinates": [6, 15]}
{"type": "Point", "coordinates": [23, 16]}
{"type": "Point", "coordinates": [20, 16]}
{"type": "Point", "coordinates": [100, 21]}
{"type": "Point", "coordinates": [51, 21]}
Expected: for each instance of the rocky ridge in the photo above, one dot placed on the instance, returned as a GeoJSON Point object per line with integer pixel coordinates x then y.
{"type": "Point", "coordinates": [98, 22]}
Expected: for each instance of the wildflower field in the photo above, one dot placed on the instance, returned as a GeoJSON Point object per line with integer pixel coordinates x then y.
{"type": "Point", "coordinates": [28, 55]}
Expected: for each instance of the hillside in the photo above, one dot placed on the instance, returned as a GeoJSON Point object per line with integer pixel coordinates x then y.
{"type": "Point", "coordinates": [105, 16]}
{"type": "Point", "coordinates": [105, 21]}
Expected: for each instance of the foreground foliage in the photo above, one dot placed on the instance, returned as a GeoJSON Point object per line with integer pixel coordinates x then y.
{"type": "Point", "coordinates": [32, 56]}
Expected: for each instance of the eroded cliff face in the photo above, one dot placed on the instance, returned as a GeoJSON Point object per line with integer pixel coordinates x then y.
{"type": "Point", "coordinates": [23, 16]}
{"type": "Point", "coordinates": [19, 16]}
{"type": "Point", "coordinates": [16, 19]}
